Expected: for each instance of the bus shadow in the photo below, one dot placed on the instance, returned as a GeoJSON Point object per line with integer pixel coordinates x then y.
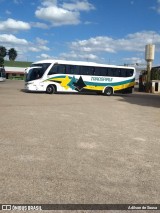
{"type": "Point", "coordinates": [137, 98]}
{"type": "Point", "coordinates": [33, 92]}
{"type": "Point", "coordinates": [61, 93]}
{"type": "Point", "coordinates": [78, 93]}
{"type": "Point", "coordinates": [142, 99]}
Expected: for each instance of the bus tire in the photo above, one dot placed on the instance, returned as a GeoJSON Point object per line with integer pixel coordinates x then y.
{"type": "Point", "coordinates": [108, 91]}
{"type": "Point", "coordinates": [51, 89]}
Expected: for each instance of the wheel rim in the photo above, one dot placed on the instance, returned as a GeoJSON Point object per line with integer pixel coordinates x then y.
{"type": "Point", "coordinates": [108, 91]}
{"type": "Point", "coordinates": [49, 89]}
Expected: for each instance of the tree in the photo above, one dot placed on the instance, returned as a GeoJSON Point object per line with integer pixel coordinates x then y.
{"type": "Point", "coordinates": [12, 53]}
{"type": "Point", "coordinates": [1, 61]}
{"type": "Point", "coordinates": [3, 51]}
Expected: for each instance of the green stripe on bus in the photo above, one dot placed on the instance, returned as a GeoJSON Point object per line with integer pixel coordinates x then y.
{"type": "Point", "coordinates": [109, 83]}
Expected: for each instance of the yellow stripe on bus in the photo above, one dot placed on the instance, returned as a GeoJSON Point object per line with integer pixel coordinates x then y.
{"type": "Point", "coordinates": [116, 88]}
{"type": "Point", "coordinates": [124, 86]}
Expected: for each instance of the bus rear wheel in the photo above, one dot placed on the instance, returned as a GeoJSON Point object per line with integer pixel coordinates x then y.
{"type": "Point", "coordinates": [108, 91]}
{"type": "Point", "coordinates": [51, 89]}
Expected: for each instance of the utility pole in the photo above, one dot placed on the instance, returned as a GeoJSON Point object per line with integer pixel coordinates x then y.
{"type": "Point", "coordinates": [149, 57]}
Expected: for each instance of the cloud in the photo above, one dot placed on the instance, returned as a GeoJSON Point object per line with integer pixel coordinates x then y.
{"type": "Point", "coordinates": [65, 14]}
{"type": "Point", "coordinates": [157, 7]}
{"type": "Point", "coordinates": [24, 47]}
{"type": "Point", "coordinates": [135, 60]}
{"type": "Point", "coordinates": [79, 6]}
{"type": "Point", "coordinates": [41, 41]}
{"type": "Point", "coordinates": [77, 56]}
{"type": "Point", "coordinates": [44, 56]}
{"type": "Point", "coordinates": [17, 1]}
{"type": "Point", "coordinates": [132, 42]}
{"type": "Point", "coordinates": [33, 48]}
{"type": "Point", "coordinates": [13, 25]}
{"type": "Point", "coordinates": [8, 12]}
{"type": "Point", "coordinates": [96, 44]}
{"type": "Point", "coordinates": [39, 25]}
{"type": "Point", "coordinates": [43, 48]}
{"type": "Point", "coordinates": [39, 45]}
{"type": "Point", "coordinates": [95, 48]}
{"type": "Point", "coordinates": [58, 16]}
{"type": "Point", "coordinates": [88, 22]}
{"type": "Point", "coordinates": [48, 3]}
{"type": "Point", "coordinates": [9, 39]}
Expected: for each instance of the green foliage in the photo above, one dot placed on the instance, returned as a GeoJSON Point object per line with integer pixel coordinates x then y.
{"type": "Point", "coordinates": [155, 73]}
{"type": "Point", "coordinates": [3, 51]}
{"type": "Point", "coordinates": [12, 53]}
{"type": "Point", "coordinates": [1, 61]}
{"type": "Point", "coordinates": [17, 63]}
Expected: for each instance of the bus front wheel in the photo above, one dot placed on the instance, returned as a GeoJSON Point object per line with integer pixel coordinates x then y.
{"type": "Point", "coordinates": [50, 89]}
{"type": "Point", "coordinates": [108, 91]}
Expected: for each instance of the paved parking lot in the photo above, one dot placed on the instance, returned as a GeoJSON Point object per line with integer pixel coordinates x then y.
{"type": "Point", "coordinates": [68, 148]}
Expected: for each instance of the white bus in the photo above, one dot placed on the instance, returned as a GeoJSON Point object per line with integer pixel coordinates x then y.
{"type": "Point", "coordinates": [2, 74]}
{"type": "Point", "coordinates": [54, 76]}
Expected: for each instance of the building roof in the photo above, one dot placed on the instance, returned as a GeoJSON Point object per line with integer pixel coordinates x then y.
{"type": "Point", "coordinates": [15, 69]}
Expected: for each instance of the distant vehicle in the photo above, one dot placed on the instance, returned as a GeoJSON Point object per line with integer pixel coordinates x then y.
{"type": "Point", "coordinates": [54, 76]}
{"type": "Point", "coordinates": [2, 74]}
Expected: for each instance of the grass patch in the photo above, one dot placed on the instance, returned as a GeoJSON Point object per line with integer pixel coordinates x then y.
{"type": "Point", "coordinates": [17, 63]}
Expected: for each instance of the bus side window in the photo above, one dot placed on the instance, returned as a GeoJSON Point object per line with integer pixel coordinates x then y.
{"type": "Point", "coordinates": [97, 71]}
{"type": "Point", "coordinates": [90, 71]}
{"type": "Point", "coordinates": [123, 73]}
{"type": "Point", "coordinates": [110, 72]}
{"type": "Point", "coordinates": [103, 71]}
{"type": "Point", "coordinates": [117, 72]}
{"type": "Point", "coordinates": [53, 70]}
{"type": "Point", "coordinates": [84, 70]}
{"type": "Point", "coordinates": [67, 69]}
{"type": "Point", "coordinates": [129, 72]}
{"type": "Point", "coordinates": [61, 69]}
{"type": "Point", "coordinates": [74, 69]}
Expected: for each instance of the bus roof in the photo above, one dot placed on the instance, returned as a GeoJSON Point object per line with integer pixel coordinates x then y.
{"type": "Point", "coordinates": [82, 63]}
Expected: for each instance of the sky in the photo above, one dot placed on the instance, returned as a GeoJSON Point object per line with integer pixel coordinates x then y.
{"type": "Point", "coordinates": [104, 31]}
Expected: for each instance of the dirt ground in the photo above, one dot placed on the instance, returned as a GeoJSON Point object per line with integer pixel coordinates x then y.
{"type": "Point", "coordinates": [74, 148]}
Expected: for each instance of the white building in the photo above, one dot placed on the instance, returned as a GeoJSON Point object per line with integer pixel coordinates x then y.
{"type": "Point", "coordinates": [15, 72]}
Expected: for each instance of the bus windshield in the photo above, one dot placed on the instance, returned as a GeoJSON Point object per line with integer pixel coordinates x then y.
{"type": "Point", "coordinates": [36, 71]}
